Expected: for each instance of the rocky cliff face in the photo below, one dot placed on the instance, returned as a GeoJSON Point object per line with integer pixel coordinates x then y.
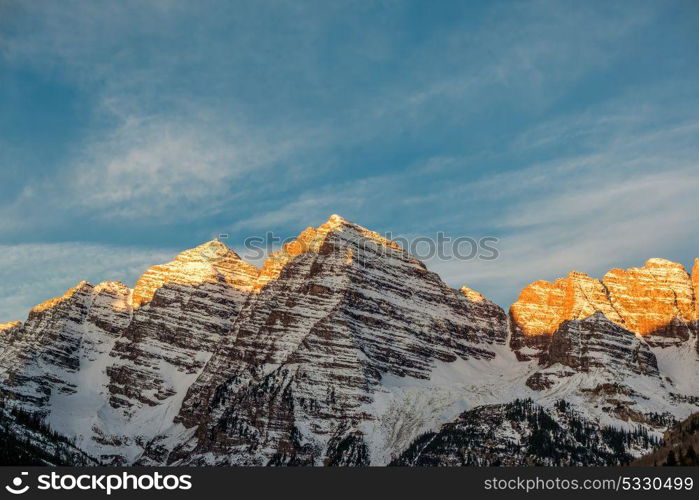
{"type": "Point", "coordinates": [182, 311]}
{"type": "Point", "coordinates": [656, 301]}
{"type": "Point", "coordinates": [620, 346]}
{"type": "Point", "coordinates": [297, 380]}
{"type": "Point", "coordinates": [46, 344]}
{"type": "Point", "coordinates": [607, 372]}
{"type": "Point", "coordinates": [54, 364]}
{"type": "Point", "coordinates": [110, 366]}
{"type": "Point", "coordinates": [7, 333]}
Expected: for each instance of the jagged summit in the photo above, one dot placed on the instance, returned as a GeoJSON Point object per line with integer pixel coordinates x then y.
{"type": "Point", "coordinates": [210, 262]}
{"type": "Point", "coordinates": [657, 300]}
{"type": "Point", "coordinates": [48, 304]}
{"type": "Point", "coordinates": [207, 251]}
{"type": "Point", "coordinates": [312, 239]}
{"type": "Point", "coordinates": [8, 326]}
{"type": "Point", "coordinates": [658, 262]}
{"type": "Point", "coordinates": [542, 306]}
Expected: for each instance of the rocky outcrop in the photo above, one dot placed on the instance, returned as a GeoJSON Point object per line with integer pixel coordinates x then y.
{"type": "Point", "coordinates": [486, 315]}
{"type": "Point", "coordinates": [609, 374]}
{"type": "Point", "coordinates": [656, 301]}
{"type": "Point", "coordinates": [45, 349]}
{"type": "Point", "coordinates": [594, 344]}
{"type": "Point", "coordinates": [299, 373]}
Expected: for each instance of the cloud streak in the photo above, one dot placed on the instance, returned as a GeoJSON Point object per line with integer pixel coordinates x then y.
{"type": "Point", "coordinates": [567, 130]}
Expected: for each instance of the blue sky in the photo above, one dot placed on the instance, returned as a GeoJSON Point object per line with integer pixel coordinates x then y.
{"type": "Point", "coordinates": [132, 130]}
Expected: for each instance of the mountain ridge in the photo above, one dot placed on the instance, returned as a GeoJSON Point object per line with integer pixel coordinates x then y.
{"type": "Point", "coordinates": [341, 349]}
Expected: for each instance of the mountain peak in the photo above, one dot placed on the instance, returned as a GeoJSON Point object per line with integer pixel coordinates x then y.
{"type": "Point", "coordinates": [8, 326]}
{"type": "Point", "coordinates": [657, 262]}
{"type": "Point", "coordinates": [83, 285]}
{"type": "Point", "coordinates": [472, 295]}
{"type": "Point", "coordinates": [214, 249]}
{"type": "Point", "coordinates": [336, 219]}
{"type": "Point", "coordinates": [657, 301]}
{"type": "Point", "coordinates": [312, 240]}
{"type": "Point", "coordinates": [211, 262]}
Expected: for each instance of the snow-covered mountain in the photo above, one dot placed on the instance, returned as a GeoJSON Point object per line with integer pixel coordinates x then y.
{"type": "Point", "coordinates": [345, 350]}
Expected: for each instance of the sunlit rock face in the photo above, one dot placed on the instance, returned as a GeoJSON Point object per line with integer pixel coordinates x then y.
{"type": "Point", "coordinates": [7, 328]}
{"type": "Point", "coordinates": [338, 310]}
{"type": "Point", "coordinates": [656, 301]}
{"type": "Point", "coordinates": [543, 306]}
{"type": "Point", "coordinates": [212, 262]}
{"type": "Point", "coordinates": [182, 311]}
{"type": "Point", "coordinates": [620, 347]}
{"type": "Point", "coordinates": [45, 356]}
{"type": "Point", "coordinates": [695, 281]}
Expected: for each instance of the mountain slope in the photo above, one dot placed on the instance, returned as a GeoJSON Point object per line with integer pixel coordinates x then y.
{"type": "Point", "coordinates": [301, 375]}
{"type": "Point", "coordinates": [26, 440]}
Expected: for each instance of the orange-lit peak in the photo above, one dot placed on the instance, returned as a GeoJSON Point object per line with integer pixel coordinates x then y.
{"type": "Point", "coordinates": [8, 326]}
{"type": "Point", "coordinates": [472, 295]}
{"type": "Point", "coordinates": [58, 300]}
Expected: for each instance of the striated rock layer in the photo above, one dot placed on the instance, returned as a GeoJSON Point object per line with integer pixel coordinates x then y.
{"type": "Point", "coordinates": [606, 370]}
{"type": "Point", "coordinates": [657, 301]}
{"type": "Point", "coordinates": [297, 379]}
{"type": "Point", "coordinates": [182, 310]}
{"type": "Point", "coordinates": [54, 364]}
{"type": "Point", "coordinates": [109, 366]}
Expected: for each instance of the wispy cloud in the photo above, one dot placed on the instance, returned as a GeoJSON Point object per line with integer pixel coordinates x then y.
{"type": "Point", "coordinates": [557, 127]}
